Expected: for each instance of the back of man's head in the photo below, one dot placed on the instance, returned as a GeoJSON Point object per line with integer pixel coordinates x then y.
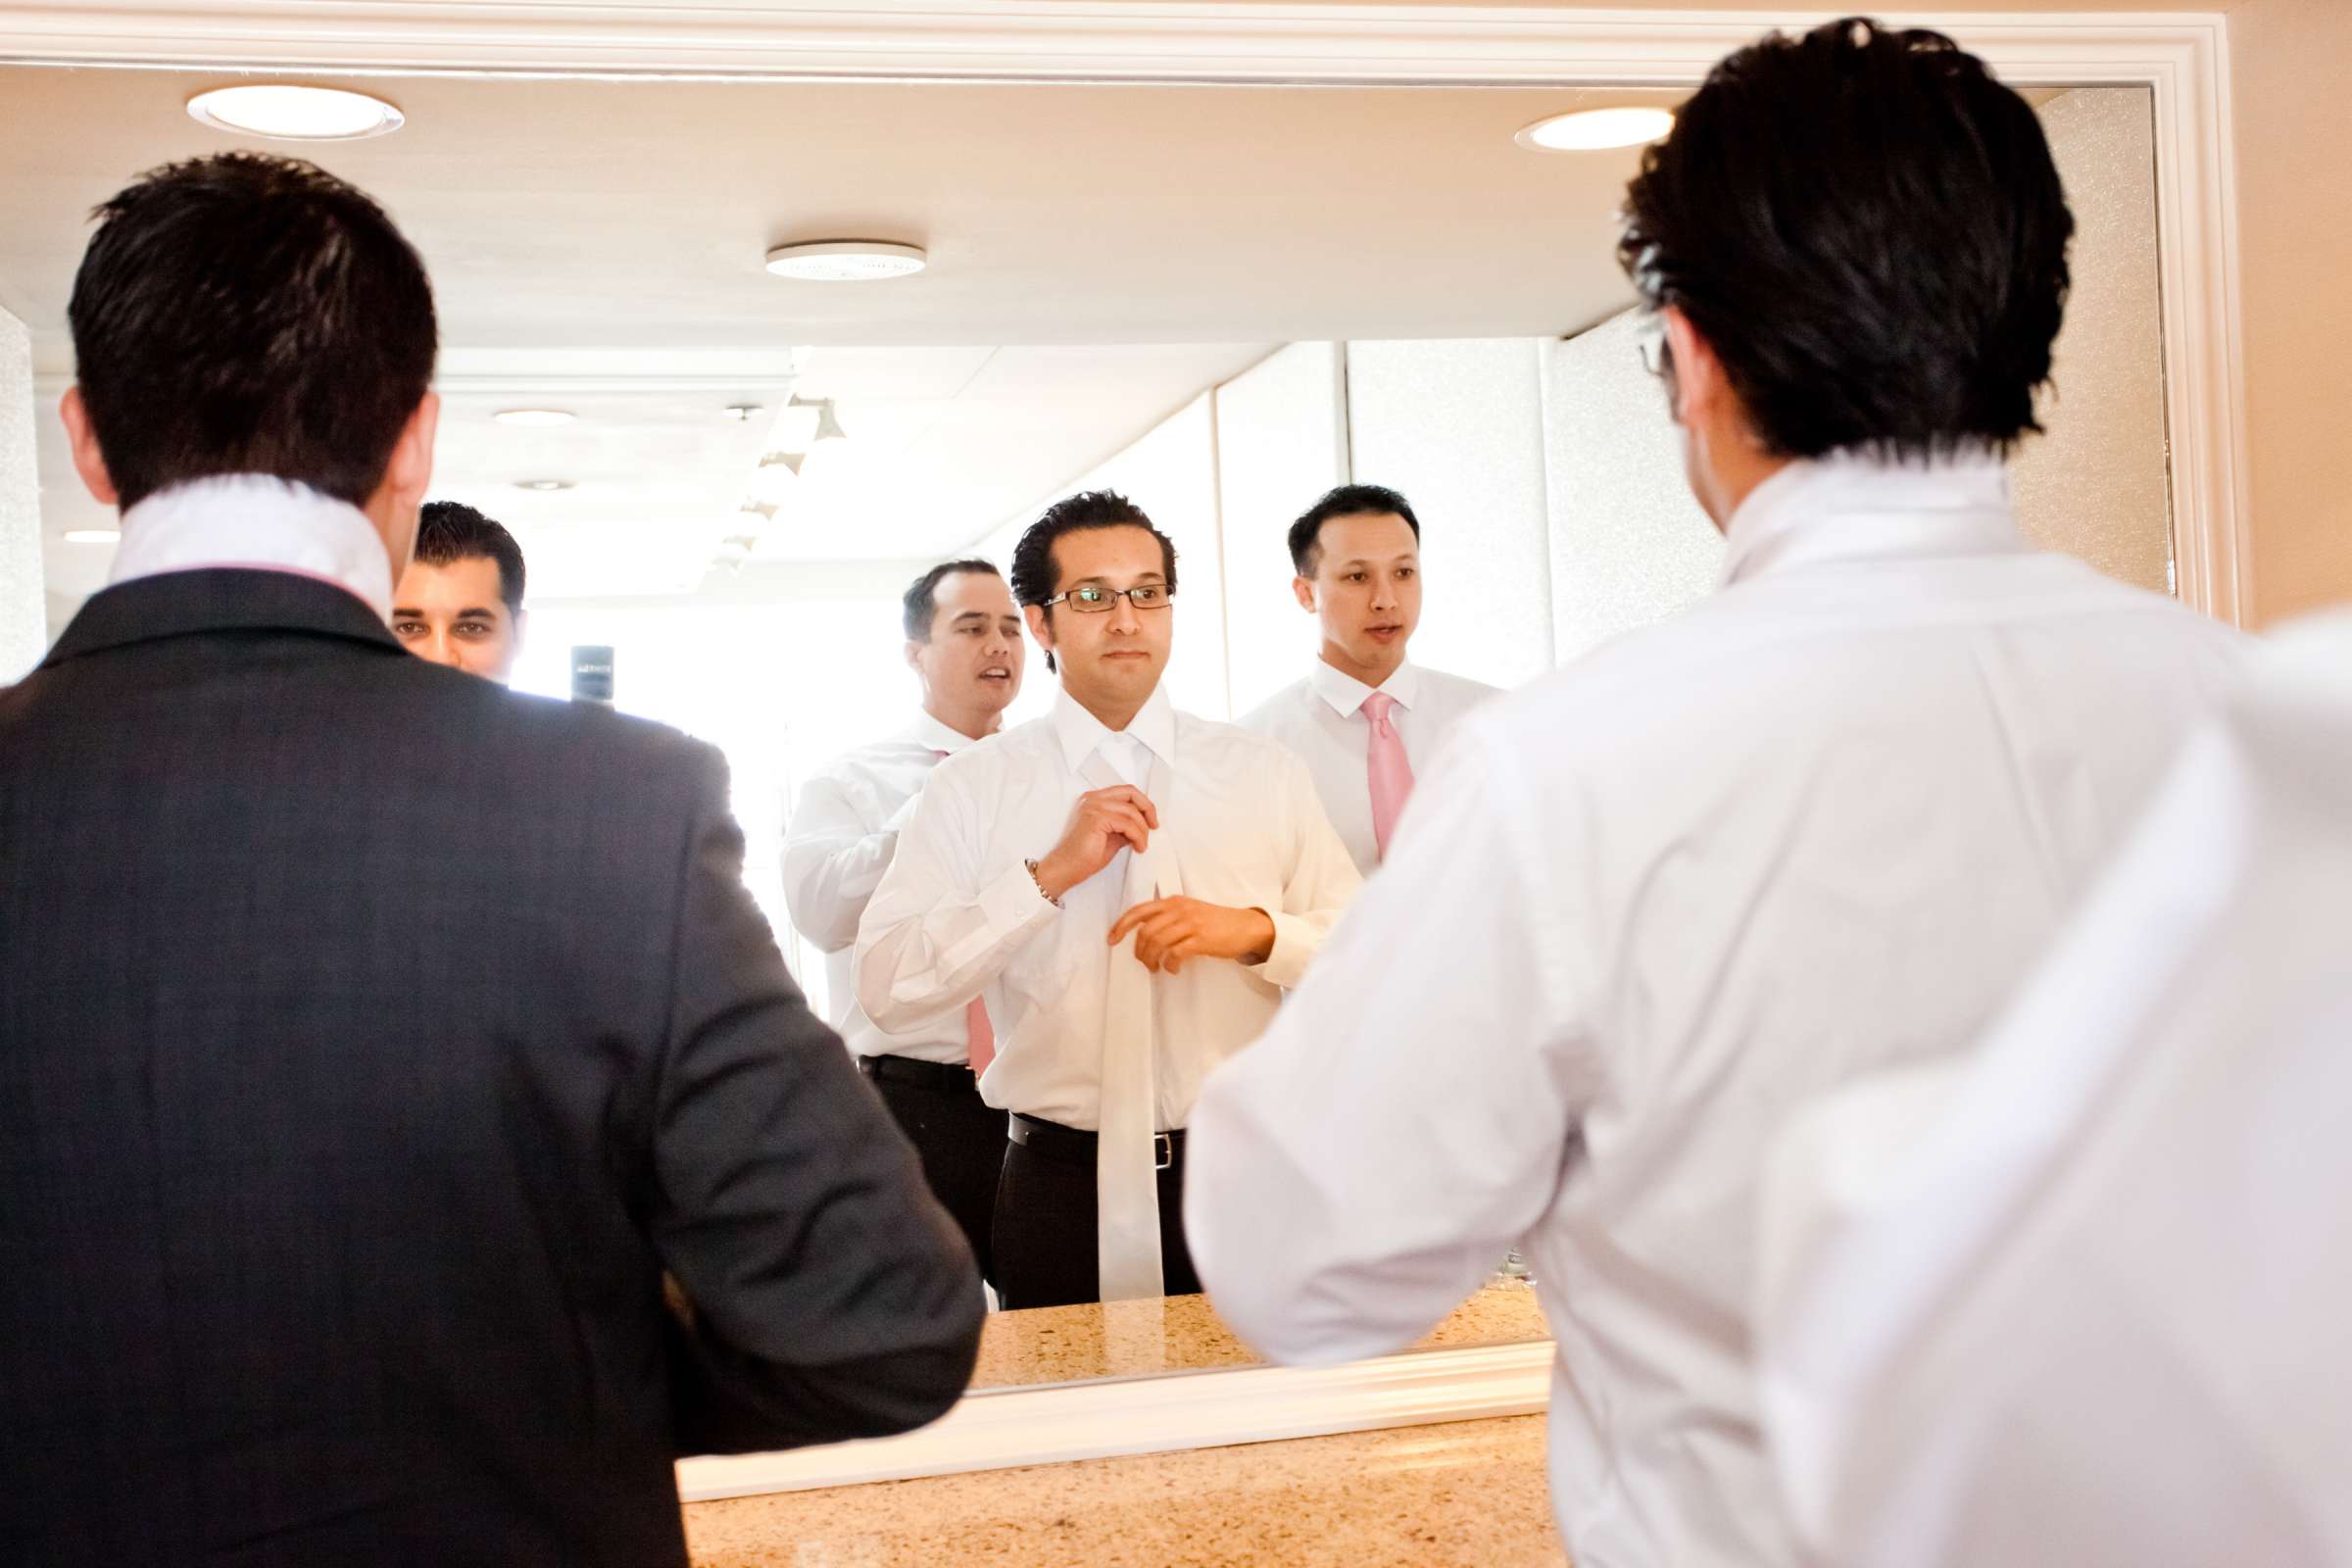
{"type": "Point", "coordinates": [244, 313]}
{"type": "Point", "coordinates": [1869, 232]}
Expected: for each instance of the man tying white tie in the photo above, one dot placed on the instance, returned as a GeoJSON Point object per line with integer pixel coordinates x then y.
{"type": "Point", "coordinates": [1133, 886]}
{"type": "Point", "coordinates": [1363, 712]}
{"type": "Point", "coordinates": [964, 642]}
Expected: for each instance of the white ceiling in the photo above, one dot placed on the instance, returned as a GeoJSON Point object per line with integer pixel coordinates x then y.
{"type": "Point", "coordinates": [598, 246]}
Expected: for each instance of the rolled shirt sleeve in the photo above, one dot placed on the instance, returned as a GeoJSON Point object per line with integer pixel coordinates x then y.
{"type": "Point", "coordinates": [832, 863]}
{"type": "Point", "coordinates": [941, 926]}
{"type": "Point", "coordinates": [1319, 884]}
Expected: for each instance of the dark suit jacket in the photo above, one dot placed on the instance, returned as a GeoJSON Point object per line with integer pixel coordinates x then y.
{"type": "Point", "coordinates": [372, 1040]}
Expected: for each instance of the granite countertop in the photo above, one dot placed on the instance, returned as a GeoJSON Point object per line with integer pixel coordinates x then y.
{"type": "Point", "coordinates": [1184, 1334]}
{"type": "Point", "coordinates": [1431, 1497]}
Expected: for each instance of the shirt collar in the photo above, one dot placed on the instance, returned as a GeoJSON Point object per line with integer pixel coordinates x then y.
{"type": "Point", "coordinates": [929, 733]}
{"type": "Point", "coordinates": [1345, 694]}
{"type": "Point", "coordinates": [1851, 506]}
{"type": "Point", "coordinates": [257, 522]}
{"type": "Point", "coordinates": [1080, 733]}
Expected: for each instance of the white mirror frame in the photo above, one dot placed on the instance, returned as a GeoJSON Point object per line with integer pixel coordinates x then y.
{"type": "Point", "coordinates": [2180, 58]}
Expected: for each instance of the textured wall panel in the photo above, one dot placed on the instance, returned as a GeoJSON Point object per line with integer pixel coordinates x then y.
{"type": "Point", "coordinates": [1628, 546]}
{"type": "Point", "coordinates": [1457, 424]}
{"type": "Point", "coordinates": [2095, 485]}
{"type": "Point", "coordinates": [23, 613]}
{"type": "Point", "coordinates": [1281, 443]}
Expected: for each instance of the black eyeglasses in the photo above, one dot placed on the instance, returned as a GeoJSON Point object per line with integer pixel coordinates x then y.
{"type": "Point", "coordinates": [1092, 598]}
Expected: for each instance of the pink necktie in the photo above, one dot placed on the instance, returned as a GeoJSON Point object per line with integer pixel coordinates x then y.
{"type": "Point", "coordinates": [981, 1033]}
{"type": "Point", "coordinates": [978, 1031]}
{"type": "Point", "coordinates": [1391, 774]}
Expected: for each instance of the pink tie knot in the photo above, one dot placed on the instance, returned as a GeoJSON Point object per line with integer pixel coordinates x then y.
{"type": "Point", "coordinates": [1377, 708]}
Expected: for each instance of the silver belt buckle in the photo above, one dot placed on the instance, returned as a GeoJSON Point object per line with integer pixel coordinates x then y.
{"type": "Point", "coordinates": [1163, 1150]}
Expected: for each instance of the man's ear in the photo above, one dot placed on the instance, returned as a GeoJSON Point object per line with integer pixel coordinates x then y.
{"type": "Point", "coordinates": [522, 628]}
{"type": "Point", "coordinates": [88, 460]}
{"type": "Point", "coordinates": [914, 655]}
{"type": "Point", "coordinates": [1041, 624]}
{"type": "Point", "coordinates": [1303, 589]}
{"type": "Point", "coordinates": [1693, 373]}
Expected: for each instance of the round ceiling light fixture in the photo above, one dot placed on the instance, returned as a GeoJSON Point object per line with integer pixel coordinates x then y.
{"type": "Point", "coordinates": [847, 261]}
{"type": "Point", "coordinates": [1591, 130]}
{"type": "Point", "coordinates": [535, 418]}
{"type": "Point", "coordinates": [285, 112]}
{"type": "Point", "coordinates": [93, 536]}
{"type": "Point", "coordinates": [543, 484]}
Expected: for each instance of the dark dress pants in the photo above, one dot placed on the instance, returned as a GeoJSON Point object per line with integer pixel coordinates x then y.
{"type": "Point", "coordinates": [962, 1141]}
{"type": "Point", "coordinates": [1045, 1213]}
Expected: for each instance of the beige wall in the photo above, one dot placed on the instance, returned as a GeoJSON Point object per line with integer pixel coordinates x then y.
{"type": "Point", "coordinates": [2292, 61]}
{"type": "Point", "coordinates": [23, 618]}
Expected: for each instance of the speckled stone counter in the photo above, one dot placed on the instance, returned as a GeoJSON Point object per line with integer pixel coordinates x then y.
{"type": "Point", "coordinates": [1183, 1334]}
{"type": "Point", "coordinates": [1471, 1493]}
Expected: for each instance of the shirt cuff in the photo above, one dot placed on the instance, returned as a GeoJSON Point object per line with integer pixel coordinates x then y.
{"type": "Point", "coordinates": [1295, 942]}
{"type": "Point", "coordinates": [1014, 900]}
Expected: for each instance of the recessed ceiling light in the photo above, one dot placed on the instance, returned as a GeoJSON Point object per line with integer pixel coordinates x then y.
{"type": "Point", "coordinates": [543, 484]}
{"type": "Point", "coordinates": [846, 261]}
{"type": "Point", "coordinates": [289, 113]}
{"type": "Point", "coordinates": [93, 536]}
{"type": "Point", "coordinates": [1591, 130]}
{"type": "Point", "coordinates": [740, 412]}
{"type": "Point", "coordinates": [534, 418]}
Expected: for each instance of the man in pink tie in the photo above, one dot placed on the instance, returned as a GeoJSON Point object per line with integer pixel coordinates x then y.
{"type": "Point", "coordinates": [964, 642]}
{"type": "Point", "coordinates": [1364, 712]}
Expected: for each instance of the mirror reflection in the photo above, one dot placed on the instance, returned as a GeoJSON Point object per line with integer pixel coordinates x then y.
{"type": "Point", "coordinates": [1076, 611]}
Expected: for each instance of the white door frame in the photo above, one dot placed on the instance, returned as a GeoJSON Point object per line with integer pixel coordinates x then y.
{"type": "Point", "coordinates": [2181, 58]}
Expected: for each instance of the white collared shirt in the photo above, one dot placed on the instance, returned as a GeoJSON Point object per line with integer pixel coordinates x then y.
{"type": "Point", "coordinates": [1643, 909]}
{"type": "Point", "coordinates": [2082, 1299]}
{"type": "Point", "coordinates": [256, 522]}
{"type": "Point", "coordinates": [1322, 719]}
{"type": "Point", "coordinates": [958, 914]}
{"type": "Point", "coordinates": [839, 842]}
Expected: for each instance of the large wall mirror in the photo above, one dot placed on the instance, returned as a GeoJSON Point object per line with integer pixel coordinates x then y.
{"type": "Point", "coordinates": [1217, 294]}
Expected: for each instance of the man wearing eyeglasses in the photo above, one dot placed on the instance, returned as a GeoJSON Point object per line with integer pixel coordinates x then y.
{"type": "Point", "coordinates": [1129, 888]}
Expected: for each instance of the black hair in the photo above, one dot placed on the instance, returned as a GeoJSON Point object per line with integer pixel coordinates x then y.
{"type": "Point", "coordinates": [922, 601]}
{"type": "Point", "coordinates": [1034, 573]}
{"type": "Point", "coordinates": [247, 313]}
{"type": "Point", "coordinates": [449, 531]}
{"type": "Point", "coordinates": [1868, 231]}
{"type": "Point", "coordinates": [1346, 501]}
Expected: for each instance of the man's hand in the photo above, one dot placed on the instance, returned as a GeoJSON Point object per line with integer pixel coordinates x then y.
{"type": "Point", "coordinates": [1168, 931]}
{"type": "Point", "coordinates": [1105, 820]}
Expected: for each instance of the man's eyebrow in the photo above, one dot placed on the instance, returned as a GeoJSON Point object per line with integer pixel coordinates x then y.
{"type": "Point", "coordinates": [969, 614]}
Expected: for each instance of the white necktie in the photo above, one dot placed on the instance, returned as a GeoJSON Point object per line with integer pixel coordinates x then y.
{"type": "Point", "coordinates": [1126, 1149]}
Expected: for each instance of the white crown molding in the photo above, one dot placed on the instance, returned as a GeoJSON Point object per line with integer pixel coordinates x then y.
{"type": "Point", "coordinates": [999, 1428]}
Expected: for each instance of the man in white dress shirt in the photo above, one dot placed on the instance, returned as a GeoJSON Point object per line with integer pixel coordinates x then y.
{"type": "Point", "coordinates": [2084, 1300]}
{"type": "Point", "coordinates": [1817, 827]}
{"type": "Point", "coordinates": [1130, 889]}
{"type": "Point", "coordinates": [964, 642]}
{"type": "Point", "coordinates": [1364, 717]}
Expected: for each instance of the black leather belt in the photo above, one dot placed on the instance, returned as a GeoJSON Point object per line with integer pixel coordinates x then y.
{"type": "Point", "coordinates": [1056, 1142]}
{"type": "Point", "coordinates": [946, 1077]}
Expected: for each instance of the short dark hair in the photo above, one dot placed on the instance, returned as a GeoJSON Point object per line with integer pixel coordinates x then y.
{"type": "Point", "coordinates": [1345, 501]}
{"type": "Point", "coordinates": [1868, 231]}
{"type": "Point", "coordinates": [921, 602]}
{"type": "Point", "coordinates": [449, 531]}
{"type": "Point", "coordinates": [247, 313]}
{"type": "Point", "coordinates": [1033, 569]}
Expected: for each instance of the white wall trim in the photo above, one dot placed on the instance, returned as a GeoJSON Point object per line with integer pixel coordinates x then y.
{"type": "Point", "coordinates": [2182, 58]}
{"type": "Point", "coordinates": [998, 1429]}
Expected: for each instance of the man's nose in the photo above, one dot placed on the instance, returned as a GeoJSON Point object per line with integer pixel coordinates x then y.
{"type": "Point", "coordinates": [1384, 593]}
